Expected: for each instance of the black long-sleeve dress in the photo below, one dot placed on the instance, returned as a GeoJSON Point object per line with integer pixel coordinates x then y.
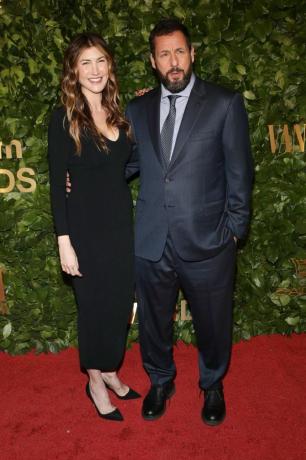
{"type": "Point", "coordinates": [97, 215]}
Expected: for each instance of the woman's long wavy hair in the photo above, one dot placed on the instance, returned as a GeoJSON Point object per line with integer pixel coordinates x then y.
{"type": "Point", "coordinates": [77, 108]}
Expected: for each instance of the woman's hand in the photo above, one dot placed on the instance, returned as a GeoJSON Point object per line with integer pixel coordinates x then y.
{"type": "Point", "coordinates": [69, 260]}
{"type": "Point", "coordinates": [142, 91]}
{"type": "Point", "coordinates": [68, 183]}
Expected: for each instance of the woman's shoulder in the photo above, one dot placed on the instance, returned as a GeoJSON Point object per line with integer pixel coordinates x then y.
{"type": "Point", "coordinates": [59, 113]}
{"type": "Point", "coordinates": [58, 119]}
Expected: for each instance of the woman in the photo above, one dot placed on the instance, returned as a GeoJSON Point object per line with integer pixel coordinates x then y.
{"type": "Point", "coordinates": [88, 138]}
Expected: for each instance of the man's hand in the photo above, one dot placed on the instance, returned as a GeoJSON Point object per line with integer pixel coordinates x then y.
{"type": "Point", "coordinates": [68, 183]}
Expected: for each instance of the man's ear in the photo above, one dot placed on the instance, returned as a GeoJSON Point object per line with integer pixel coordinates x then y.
{"type": "Point", "coordinates": [152, 61]}
{"type": "Point", "coordinates": [192, 54]}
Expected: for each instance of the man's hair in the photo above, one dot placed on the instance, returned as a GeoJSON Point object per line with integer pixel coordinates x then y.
{"type": "Point", "coordinates": [166, 27]}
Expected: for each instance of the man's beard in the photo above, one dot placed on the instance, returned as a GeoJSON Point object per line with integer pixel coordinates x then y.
{"type": "Point", "coordinates": [178, 85]}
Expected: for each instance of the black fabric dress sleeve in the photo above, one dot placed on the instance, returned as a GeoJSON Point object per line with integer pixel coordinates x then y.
{"type": "Point", "coordinates": [58, 152]}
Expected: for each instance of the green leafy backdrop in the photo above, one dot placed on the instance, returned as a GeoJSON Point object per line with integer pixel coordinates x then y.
{"type": "Point", "coordinates": [257, 48]}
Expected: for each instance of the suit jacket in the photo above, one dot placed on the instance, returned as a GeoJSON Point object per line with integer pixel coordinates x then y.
{"type": "Point", "coordinates": [202, 198]}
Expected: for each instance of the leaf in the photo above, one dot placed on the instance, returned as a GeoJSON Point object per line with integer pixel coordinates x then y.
{"type": "Point", "coordinates": [241, 69]}
{"type": "Point", "coordinates": [33, 67]}
{"type": "Point", "coordinates": [280, 299]}
{"type": "Point", "coordinates": [292, 321]}
{"type": "Point", "coordinates": [7, 330]}
{"type": "Point", "coordinates": [186, 336]}
{"type": "Point", "coordinates": [249, 95]}
{"type": "Point", "coordinates": [224, 65]}
{"type": "Point", "coordinates": [180, 12]}
{"type": "Point", "coordinates": [280, 78]}
{"type": "Point", "coordinates": [272, 254]}
{"type": "Point", "coordinates": [17, 70]}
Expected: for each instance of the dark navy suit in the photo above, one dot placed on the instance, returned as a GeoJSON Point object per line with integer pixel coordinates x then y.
{"type": "Point", "coordinates": [187, 214]}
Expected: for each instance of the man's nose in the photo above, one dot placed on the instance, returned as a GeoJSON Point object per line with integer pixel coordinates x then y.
{"type": "Point", "coordinates": [174, 60]}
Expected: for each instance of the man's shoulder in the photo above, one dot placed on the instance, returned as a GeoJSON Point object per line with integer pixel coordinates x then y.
{"type": "Point", "coordinates": [215, 90]}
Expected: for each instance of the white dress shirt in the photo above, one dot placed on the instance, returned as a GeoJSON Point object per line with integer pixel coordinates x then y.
{"type": "Point", "coordinates": [180, 106]}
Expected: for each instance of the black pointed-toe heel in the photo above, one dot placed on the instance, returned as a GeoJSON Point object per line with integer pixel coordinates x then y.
{"type": "Point", "coordinates": [131, 394]}
{"type": "Point", "coordinates": [114, 415]}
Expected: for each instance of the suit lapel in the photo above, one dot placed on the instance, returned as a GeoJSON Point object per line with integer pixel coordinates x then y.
{"type": "Point", "coordinates": [153, 113]}
{"type": "Point", "coordinates": [192, 112]}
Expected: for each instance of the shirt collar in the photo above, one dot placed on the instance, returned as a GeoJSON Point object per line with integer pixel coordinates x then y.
{"type": "Point", "coordinates": [185, 93]}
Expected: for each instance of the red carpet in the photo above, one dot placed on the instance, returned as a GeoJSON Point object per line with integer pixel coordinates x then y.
{"type": "Point", "coordinates": [45, 414]}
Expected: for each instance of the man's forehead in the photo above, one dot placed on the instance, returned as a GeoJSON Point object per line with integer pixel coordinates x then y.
{"type": "Point", "coordinates": [174, 40]}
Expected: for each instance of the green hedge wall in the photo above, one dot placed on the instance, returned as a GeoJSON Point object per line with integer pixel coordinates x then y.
{"type": "Point", "coordinates": [257, 48]}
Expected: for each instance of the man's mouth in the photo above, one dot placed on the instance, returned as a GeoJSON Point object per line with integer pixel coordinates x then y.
{"type": "Point", "coordinates": [175, 73]}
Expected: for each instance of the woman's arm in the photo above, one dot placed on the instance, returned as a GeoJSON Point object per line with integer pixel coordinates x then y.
{"type": "Point", "coordinates": [58, 148]}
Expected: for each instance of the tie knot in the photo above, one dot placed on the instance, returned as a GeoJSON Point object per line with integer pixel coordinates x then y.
{"type": "Point", "coordinates": [172, 99]}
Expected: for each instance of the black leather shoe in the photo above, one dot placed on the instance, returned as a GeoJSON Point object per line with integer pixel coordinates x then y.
{"type": "Point", "coordinates": [115, 415]}
{"type": "Point", "coordinates": [154, 404]}
{"type": "Point", "coordinates": [213, 412]}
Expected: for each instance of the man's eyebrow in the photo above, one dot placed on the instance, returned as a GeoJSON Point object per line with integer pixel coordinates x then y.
{"type": "Point", "coordinates": [178, 48]}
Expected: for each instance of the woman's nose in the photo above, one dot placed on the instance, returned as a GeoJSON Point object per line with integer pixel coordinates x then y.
{"type": "Point", "coordinates": [94, 68]}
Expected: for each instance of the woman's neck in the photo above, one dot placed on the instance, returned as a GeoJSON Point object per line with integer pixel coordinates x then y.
{"type": "Point", "coordinates": [94, 101]}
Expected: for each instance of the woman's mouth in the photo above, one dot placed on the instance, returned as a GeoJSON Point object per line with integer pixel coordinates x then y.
{"type": "Point", "coordinates": [95, 79]}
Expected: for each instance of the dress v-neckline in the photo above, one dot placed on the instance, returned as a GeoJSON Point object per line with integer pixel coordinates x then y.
{"type": "Point", "coordinates": [111, 140]}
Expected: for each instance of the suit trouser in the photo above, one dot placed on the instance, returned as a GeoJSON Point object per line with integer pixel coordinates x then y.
{"type": "Point", "coordinates": [208, 288]}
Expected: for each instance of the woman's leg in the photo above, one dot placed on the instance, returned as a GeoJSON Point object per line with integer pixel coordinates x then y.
{"type": "Point", "coordinates": [112, 379]}
{"type": "Point", "coordinates": [99, 392]}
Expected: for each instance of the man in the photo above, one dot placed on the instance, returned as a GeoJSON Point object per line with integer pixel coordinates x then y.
{"type": "Point", "coordinates": [192, 150]}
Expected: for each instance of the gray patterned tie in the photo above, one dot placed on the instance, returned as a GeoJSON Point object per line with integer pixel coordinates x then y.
{"type": "Point", "coordinates": [166, 134]}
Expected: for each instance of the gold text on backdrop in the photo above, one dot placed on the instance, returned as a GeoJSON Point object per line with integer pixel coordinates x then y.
{"type": "Point", "coordinates": [281, 141]}
{"type": "Point", "coordinates": [13, 151]}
